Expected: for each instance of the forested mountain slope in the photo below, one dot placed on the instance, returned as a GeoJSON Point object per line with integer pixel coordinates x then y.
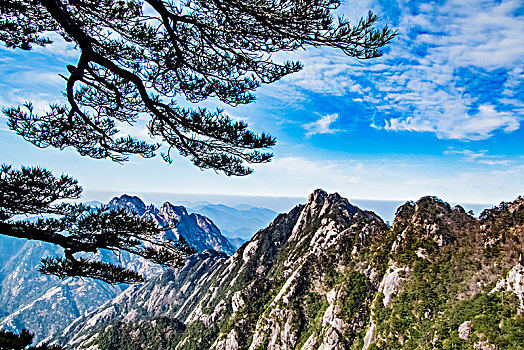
{"type": "Point", "coordinates": [328, 275]}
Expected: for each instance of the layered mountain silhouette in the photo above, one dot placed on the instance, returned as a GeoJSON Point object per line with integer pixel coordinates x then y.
{"type": "Point", "coordinates": [198, 230]}
{"type": "Point", "coordinates": [239, 223]}
{"type": "Point", "coordinates": [328, 275]}
{"type": "Point", "coordinates": [46, 305]}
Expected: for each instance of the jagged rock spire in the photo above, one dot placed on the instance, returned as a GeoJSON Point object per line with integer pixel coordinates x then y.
{"type": "Point", "coordinates": [130, 203]}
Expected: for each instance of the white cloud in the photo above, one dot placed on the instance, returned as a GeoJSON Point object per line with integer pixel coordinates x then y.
{"type": "Point", "coordinates": [59, 47]}
{"type": "Point", "coordinates": [321, 126]}
{"type": "Point", "coordinates": [459, 125]}
{"type": "Point", "coordinates": [422, 92]}
{"type": "Point", "coordinates": [480, 157]}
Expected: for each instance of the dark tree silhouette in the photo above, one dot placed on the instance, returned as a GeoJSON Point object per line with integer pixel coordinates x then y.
{"type": "Point", "coordinates": [21, 341]}
{"type": "Point", "coordinates": [137, 57]}
{"type": "Point", "coordinates": [78, 228]}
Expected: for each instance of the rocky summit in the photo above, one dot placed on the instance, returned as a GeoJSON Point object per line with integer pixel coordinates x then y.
{"type": "Point", "coordinates": [328, 275]}
{"type": "Point", "coordinates": [198, 230]}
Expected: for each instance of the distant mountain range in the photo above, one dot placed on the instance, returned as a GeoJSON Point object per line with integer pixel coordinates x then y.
{"type": "Point", "coordinates": [238, 222]}
{"type": "Point", "coordinates": [46, 304]}
{"type": "Point", "coordinates": [328, 275]}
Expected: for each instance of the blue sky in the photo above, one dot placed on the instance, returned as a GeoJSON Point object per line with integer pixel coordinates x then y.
{"type": "Point", "coordinates": [439, 114]}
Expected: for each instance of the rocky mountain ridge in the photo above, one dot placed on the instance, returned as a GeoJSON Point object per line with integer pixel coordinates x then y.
{"type": "Point", "coordinates": [198, 230]}
{"type": "Point", "coordinates": [45, 304]}
{"type": "Point", "coordinates": [328, 275]}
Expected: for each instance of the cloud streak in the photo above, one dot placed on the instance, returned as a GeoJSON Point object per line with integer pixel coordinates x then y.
{"type": "Point", "coordinates": [480, 157]}
{"type": "Point", "coordinates": [321, 126]}
{"type": "Point", "coordinates": [455, 70]}
{"type": "Point", "coordinates": [407, 178]}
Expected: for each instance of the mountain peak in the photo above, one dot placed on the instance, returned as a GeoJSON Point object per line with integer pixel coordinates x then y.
{"type": "Point", "coordinates": [426, 208]}
{"type": "Point", "coordinates": [178, 210]}
{"type": "Point", "coordinates": [317, 196]}
{"type": "Point", "coordinates": [320, 197]}
{"type": "Point", "coordinates": [199, 231]}
{"type": "Point", "coordinates": [323, 209]}
{"type": "Point", "coordinates": [320, 202]}
{"type": "Point", "coordinates": [434, 219]}
{"type": "Point", "coordinates": [130, 203]}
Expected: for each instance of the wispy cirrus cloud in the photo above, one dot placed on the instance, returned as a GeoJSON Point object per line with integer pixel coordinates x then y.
{"type": "Point", "coordinates": [456, 69]}
{"type": "Point", "coordinates": [480, 157]}
{"type": "Point", "coordinates": [322, 125]}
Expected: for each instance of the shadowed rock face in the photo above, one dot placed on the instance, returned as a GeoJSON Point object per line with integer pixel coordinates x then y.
{"type": "Point", "coordinates": [328, 275]}
{"type": "Point", "coordinates": [132, 204]}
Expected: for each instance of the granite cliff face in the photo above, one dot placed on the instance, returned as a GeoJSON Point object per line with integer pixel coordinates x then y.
{"type": "Point", "coordinates": [163, 297]}
{"type": "Point", "coordinates": [328, 275]}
